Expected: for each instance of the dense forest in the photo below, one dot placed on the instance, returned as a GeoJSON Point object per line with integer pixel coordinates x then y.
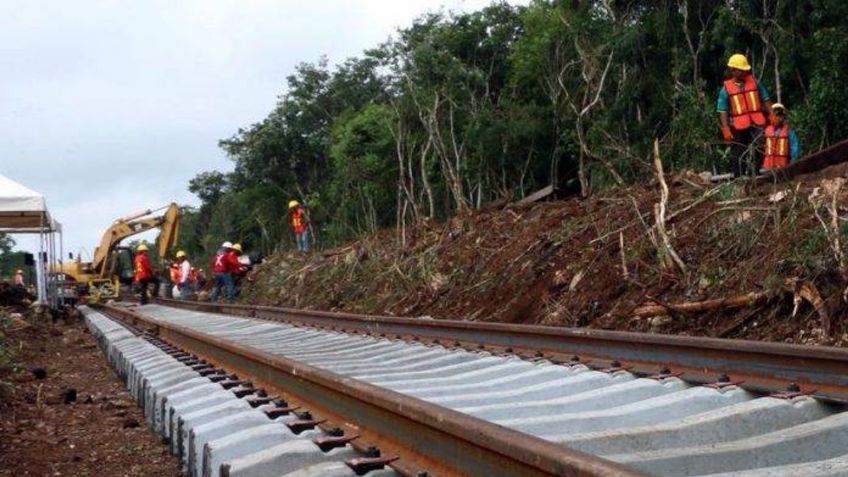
{"type": "Point", "coordinates": [458, 110]}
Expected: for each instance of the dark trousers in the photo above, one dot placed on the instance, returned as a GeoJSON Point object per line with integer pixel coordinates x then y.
{"type": "Point", "coordinates": [744, 156]}
{"type": "Point", "coordinates": [143, 286]}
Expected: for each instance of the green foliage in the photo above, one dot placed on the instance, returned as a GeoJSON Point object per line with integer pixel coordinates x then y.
{"type": "Point", "coordinates": [806, 258]}
{"type": "Point", "coordinates": [461, 109]}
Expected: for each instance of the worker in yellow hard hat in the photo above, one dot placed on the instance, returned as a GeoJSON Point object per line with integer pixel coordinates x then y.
{"type": "Point", "coordinates": [743, 106]}
{"type": "Point", "coordinates": [143, 272]}
{"type": "Point", "coordinates": [300, 225]}
{"type": "Point", "coordinates": [184, 276]}
{"type": "Point", "coordinates": [19, 279]}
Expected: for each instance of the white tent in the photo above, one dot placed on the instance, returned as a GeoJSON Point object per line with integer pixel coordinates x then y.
{"type": "Point", "coordinates": [24, 211]}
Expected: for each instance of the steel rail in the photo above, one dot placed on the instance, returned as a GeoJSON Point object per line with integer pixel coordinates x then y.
{"type": "Point", "coordinates": [757, 366]}
{"type": "Point", "coordinates": [436, 437]}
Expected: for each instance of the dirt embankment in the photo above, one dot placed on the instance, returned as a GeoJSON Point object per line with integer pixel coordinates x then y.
{"type": "Point", "coordinates": [764, 263]}
{"type": "Point", "coordinates": [63, 411]}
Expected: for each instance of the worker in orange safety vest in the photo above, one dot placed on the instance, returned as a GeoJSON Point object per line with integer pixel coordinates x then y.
{"type": "Point", "coordinates": [143, 275]}
{"type": "Point", "coordinates": [743, 106]}
{"type": "Point", "coordinates": [300, 225]}
{"type": "Point", "coordinates": [781, 143]}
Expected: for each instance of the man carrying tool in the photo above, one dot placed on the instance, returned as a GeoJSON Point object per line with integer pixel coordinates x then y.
{"type": "Point", "coordinates": [300, 225]}
{"type": "Point", "coordinates": [782, 146]}
{"type": "Point", "coordinates": [143, 272]}
{"type": "Point", "coordinates": [184, 283]}
{"type": "Point", "coordinates": [743, 104]}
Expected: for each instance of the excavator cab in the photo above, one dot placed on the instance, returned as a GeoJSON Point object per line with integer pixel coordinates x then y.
{"type": "Point", "coordinates": [124, 259]}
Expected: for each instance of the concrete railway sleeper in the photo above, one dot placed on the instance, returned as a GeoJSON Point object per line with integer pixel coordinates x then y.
{"type": "Point", "coordinates": [658, 424]}
{"type": "Point", "coordinates": [220, 425]}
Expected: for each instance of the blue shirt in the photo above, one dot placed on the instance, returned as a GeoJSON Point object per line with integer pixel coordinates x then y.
{"type": "Point", "coordinates": [723, 103]}
{"type": "Point", "coordinates": [794, 144]}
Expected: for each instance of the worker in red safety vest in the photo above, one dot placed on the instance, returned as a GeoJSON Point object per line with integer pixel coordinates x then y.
{"type": "Point", "coordinates": [300, 225]}
{"type": "Point", "coordinates": [225, 265]}
{"type": "Point", "coordinates": [143, 276]}
{"type": "Point", "coordinates": [781, 143]}
{"type": "Point", "coordinates": [239, 271]}
{"type": "Point", "coordinates": [743, 106]}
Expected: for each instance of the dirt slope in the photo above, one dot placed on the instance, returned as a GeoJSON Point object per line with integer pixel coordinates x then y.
{"type": "Point", "coordinates": [597, 262]}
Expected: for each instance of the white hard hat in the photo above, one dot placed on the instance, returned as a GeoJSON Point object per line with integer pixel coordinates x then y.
{"type": "Point", "coordinates": [227, 245]}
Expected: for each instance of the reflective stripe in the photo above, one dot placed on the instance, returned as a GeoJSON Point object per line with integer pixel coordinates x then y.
{"type": "Point", "coordinates": [753, 101]}
{"type": "Point", "coordinates": [737, 105]}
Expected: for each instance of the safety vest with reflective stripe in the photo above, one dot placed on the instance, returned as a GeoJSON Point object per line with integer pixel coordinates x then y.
{"type": "Point", "coordinates": [219, 265]}
{"type": "Point", "coordinates": [777, 147]}
{"type": "Point", "coordinates": [745, 103]}
{"type": "Point", "coordinates": [298, 221]}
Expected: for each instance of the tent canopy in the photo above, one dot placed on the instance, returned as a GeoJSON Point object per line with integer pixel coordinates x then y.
{"type": "Point", "coordinates": [22, 210]}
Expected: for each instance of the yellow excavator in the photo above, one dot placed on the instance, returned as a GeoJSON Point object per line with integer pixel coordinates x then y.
{"type": "Point", "coordinates": [112, 264]}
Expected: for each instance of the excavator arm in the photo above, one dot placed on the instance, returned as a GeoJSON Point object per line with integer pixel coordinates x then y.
{"type": "Point", "coordinates": [169, 223]}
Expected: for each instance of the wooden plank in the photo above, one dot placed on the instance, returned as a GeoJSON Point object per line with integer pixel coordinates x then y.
{"type": "Point", "coordinates": [537, 196]}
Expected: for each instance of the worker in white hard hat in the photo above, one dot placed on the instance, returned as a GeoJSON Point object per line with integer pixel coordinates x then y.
{"type": "Point", "coordinates": [781, 143]}
{"type": "Point", "coordinates": [19, 279]}
{"type": "Point", "coordinates": [743, 106]}
{"type": "Point", "coordinates": [222, 266]}
{"type": "Point", "coordinates": [184, 283]}
{"type": "Point", "coordinates": [300, 225]}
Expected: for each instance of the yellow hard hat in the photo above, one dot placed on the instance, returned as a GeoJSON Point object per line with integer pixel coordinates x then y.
{"type": "Point", "coordinates": [142, 248]}
{"type": "Point", "coordinates": [20, 271]}
{"type": "Point", "coordinates": [778, 106]}
{"type": "Point", "coordinates": [181, 254]}
{"type": "Point", "coordinates": [237, 247]}
{"type": "Point", "coordinates": [739, 62]}
{"type": "Point", "coordinates": [293, 204]}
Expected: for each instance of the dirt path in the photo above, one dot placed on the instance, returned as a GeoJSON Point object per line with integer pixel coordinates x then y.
{"type": "Point", "coordinates": [101, 433]}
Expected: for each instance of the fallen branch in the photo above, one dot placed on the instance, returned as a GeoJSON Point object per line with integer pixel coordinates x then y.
{"type": "Point", "coordinates": [739, 301]}
{"type": "Point", "coordinates": [801, 291]}
{"type": "Point", "coordinates": [624, 272]}
{"type": "Point", "coordinates": [668, 256]}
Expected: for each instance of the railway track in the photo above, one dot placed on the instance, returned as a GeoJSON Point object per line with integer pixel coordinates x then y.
{"type": "Point", "coordinates": [457, 398]}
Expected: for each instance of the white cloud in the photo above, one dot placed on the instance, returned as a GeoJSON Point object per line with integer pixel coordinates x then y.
{"type": "Point", "coordinates": [109, 106]}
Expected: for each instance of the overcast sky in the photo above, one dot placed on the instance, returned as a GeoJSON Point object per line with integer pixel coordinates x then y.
{"type": "Point", "coordinates": [110, 107]}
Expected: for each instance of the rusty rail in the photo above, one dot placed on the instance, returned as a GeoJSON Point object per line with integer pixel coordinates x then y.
{"type": "Point", "coordinates": [758, 366]}
{"type": "Point", "coordinates": [430, 436]}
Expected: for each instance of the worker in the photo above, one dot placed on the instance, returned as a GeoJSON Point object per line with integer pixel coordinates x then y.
{"type": "Point", "coordinates": [239, 271]}
{"type": "Point", "coordinates": [174, 272]}
{"type": "Point", "coordinates": [200, 279]}
{"type": "Point", "coordinates": [781, 142]}
{"type": "Point", "coordinates": [184, 279]}
{"type": "Point", "coordinates": [743, 104]}
{"type": "Point", "coordinates": [143, 272]}
{"type": "Point", "coordinates": [19, 279]}
{"type": "Point", "coordinates": [300, 225]}
{"type": "Point", "coordinates": [225, 266]}
{"type": "Point", "coordinates": [219, 269]}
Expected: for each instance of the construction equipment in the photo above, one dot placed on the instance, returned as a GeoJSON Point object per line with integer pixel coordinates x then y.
{"type": "Point", "coordinates": [112, 264]}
